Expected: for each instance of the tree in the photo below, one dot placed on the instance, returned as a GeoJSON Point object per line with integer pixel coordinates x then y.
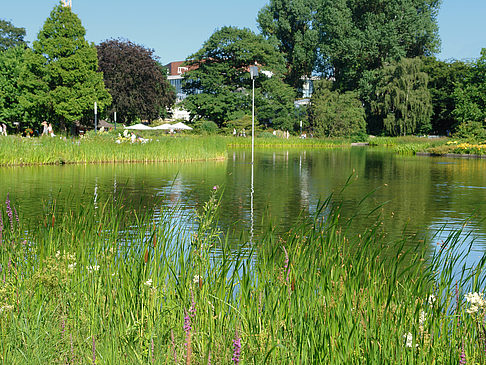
{"type": "Point", "coordinates": [219, 80]}
{"type": "Point", "coordinates": [10, 36]}
{"type": "Point", "coordinates": [403, 100]}
{"type": "Point", "coordinates": [443, 78]}
{"type": "Point", "coordinates": [356, 36]}
{"type": "Point", "coordinates": [335, 114]}
{"type": "Point", "coordinates": [62, 80]}
{"type": "Point", "coordinates": [136, 81]}
{"type": "Point", "coordinates": [11, 64]}
{"type": "Point", "coordinates": [470, 94]}
{"type": "Point", "coordinates": [291, 23]}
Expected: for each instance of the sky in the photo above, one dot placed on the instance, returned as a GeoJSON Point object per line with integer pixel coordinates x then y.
{"type": "Point", "coordinates": [176, 29]}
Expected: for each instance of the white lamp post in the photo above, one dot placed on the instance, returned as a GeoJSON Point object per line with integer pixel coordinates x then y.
{"type": "Point", "coordinates": [96, 116]}
{"type": "Point", "coordinates": [253, 75]}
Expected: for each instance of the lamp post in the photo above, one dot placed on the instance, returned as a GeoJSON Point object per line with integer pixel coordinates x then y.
{"type": "Point", "coordinates": [96, 116]}
{"type": "Point", "coordinates": [253, 75]}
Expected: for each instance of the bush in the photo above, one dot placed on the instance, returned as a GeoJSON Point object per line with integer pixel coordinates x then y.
{"type": "Point", "coordinates": [470, 130]}
{"type": "Point", "coordinates": [209, 127]}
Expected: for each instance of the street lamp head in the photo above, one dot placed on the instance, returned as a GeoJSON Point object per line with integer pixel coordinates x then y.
{"type": "Point", "coordinates": [253, 72]}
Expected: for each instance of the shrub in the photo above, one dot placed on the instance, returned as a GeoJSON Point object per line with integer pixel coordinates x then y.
{"type": "Point", "coordinates": [209, 127]}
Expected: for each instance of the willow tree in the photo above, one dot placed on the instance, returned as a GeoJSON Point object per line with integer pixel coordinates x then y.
{"type": "Point", "coordinates": [403, 101]}
{"type": "Point", "coordinates": [62, 78]}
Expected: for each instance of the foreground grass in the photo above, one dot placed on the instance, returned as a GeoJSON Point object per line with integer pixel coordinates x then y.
{"type": "Point", "coordinates": [109, 286]}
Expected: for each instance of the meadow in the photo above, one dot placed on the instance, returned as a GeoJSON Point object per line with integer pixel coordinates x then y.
{"type": "Point", "coordinates": [107, 285]}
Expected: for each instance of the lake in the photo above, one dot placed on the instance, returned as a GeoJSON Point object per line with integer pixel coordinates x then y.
{"type": "Point", "coordinates": [409, 194]}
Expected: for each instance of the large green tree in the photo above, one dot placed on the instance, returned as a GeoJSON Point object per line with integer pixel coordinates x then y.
{"type": "Point", "coordinates": [10, 35]}
{"type": "Point", "coordinates": [135, 80]}
{"type": "Point", "coordinates": [443, 78]}
{"type": "Point", "coordinates": [470, 94]}
{"type": "Point", "coordinates": [402, 99]}
{"type": "Point", "coordinates": [335, 114]}
{"type": "Point", "coordinates": [219, 82]}
{"type": "Point", "coordinates": [359, 35]}
{"type": "Point", "coordinates": [291, 23]}
{"type": "Point", "coordinates": [62, 80]}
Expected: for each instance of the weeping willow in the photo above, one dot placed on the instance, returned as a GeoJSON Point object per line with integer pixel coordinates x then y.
{"type": "Point", "coordinates": [402, 98]}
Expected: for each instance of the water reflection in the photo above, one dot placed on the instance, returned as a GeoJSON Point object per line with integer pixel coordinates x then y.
{"type": "Point", "coordinates": [421, 193]}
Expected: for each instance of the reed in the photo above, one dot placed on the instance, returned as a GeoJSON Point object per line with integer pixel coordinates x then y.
{"type": "Point", "coordinates": [106, 285]}
{"type": "Point", "coordinates": [103, 148]}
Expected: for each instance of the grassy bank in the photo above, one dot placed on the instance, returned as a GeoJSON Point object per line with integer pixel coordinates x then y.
{"type": "Point", "coordinates": [103, 148]}
{"type": "Point", "coordinates": [107, 286]}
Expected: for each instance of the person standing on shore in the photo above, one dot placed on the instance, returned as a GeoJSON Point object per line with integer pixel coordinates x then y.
{"type": "Point", "coordinates": [44, 130]}
{"type": "Point", "coordinates": [50, 131]}
{"type": "Point", "coordinates": [4, 129]}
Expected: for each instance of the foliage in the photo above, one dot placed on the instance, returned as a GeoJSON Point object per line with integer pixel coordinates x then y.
{"type": "Point", "coordinates": [10, 35]}
{"type": "Point", "coordinates": [219, 73]}
{"type": "Point", "coordinates": [335, 114]}
{"type": "Point", "coordinates": [291, 24]}
{"type": "Point", "coordinates": [62, 79]}
{"type": "Point", "coordinates": [470, 130]}
{"type": "Point", "coordinates": [443, 78]}
{"type": "Point", "coordinates": [208, 127]}
{"type": "Point", "coordinates": [106, 283]}
{"type": "Point", "coordinates": [135, 80]}
{"type": "Point", "coordinates": [11, 64]}
{"type": "Point", "coordinates": [357, 36]}
{"type": "Point", "coordinates": [274, 104]}
{"type": "Point", "coordinates": [470, 95]}
{"type": "Point", "coordinates": [402, 98]}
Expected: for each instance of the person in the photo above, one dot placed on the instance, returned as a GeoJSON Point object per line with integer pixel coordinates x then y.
{"type": "Point", "coordinates": [4, 127]}
{"type": "Point", "coordinates": [44, 128]}
{"type": "Point", "coordinates": [234, 132]}
{"type": "Point", "coordinates": [133, 137]}
{"type": "Point", "coordinates": [50, 131]}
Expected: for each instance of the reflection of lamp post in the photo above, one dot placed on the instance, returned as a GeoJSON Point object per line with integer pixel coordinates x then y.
{"type": "Point", "coordinates": [96, 116]}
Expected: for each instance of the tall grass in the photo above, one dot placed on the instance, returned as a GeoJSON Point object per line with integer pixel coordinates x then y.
{"type": "Point", "coordinates": [290, 142]}
{"type": "Point", "coordinates": [102, 148]}
{"type": "Point", "coordinates": [109, 286]}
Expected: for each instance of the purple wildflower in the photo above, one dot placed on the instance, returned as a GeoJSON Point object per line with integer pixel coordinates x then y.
{"type": "Point", "coordinates": [215, 187]}
{"type": "Point", "coordinates": [192, 310]}
{"type": "Point", "coordinates": [187, 330]}
{"type": "Point", "coordinates": [153, 348]}
{"type": "Point", "coordinates": [286, 264]}
{"type": "Point", "coordinates": [462, 360]}
{"type": "Point", "coordinates": [1, 222]}
{"type": "Point", "coordinates": [16, 215]}
{"type": "Point", "coordinates": [173, 346]}
{"type": "Point", "coordinates": [94, 351]}
{"type": "Point", "coordinates": [209, 357]}
{"type": "Point", "coordinates": [9, 211]}
{"type": "Point", "coordinates": [236, 349]}
{"type": "Point", "coordinates": [72, 348]}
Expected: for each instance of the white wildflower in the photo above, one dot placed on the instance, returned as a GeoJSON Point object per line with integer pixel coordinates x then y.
{"type": "Point", "coordinates": [148, 283]}
{"type": "Point", "coordinates": [6, 308]}
{"type": "Point", "coordinates": [58, 254]}
{"type": "Point", "coordinates": [71, 267]}
{"type": "Point", "coordinates": [431, 299]}
{"type": "Point", "coordinates": [477, 302]}
{"type": "Point", "coordinates": [408, 339]}
{"type": "Point", "coordinates": [422, 318]}
{"type": "Point", "coordinates": [196, 279]}
{"type": "Point", "coordinates": [93, 268]}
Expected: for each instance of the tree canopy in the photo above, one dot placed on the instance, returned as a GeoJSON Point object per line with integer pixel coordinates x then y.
{"type": "Point", "coordinates": [356, 36]}
{"type": "Point", "coordinates": [219, 78]}
{"type": "Point", "coordinates": [402, 98]}
{"type": "Point", "coordinates": [335, 114]}
{"type": "Point", "coordinates": [136, 81]}
{"type": "Point", "coordinates": [291, 23]}
{"type": "Point", "coordinates": [10, 35]}
{"type": "Point", "coordinates": [61, 79]}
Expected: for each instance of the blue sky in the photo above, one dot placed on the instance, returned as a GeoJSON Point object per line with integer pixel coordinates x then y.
{"type": "Point", "coordinates": [177, 29]}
